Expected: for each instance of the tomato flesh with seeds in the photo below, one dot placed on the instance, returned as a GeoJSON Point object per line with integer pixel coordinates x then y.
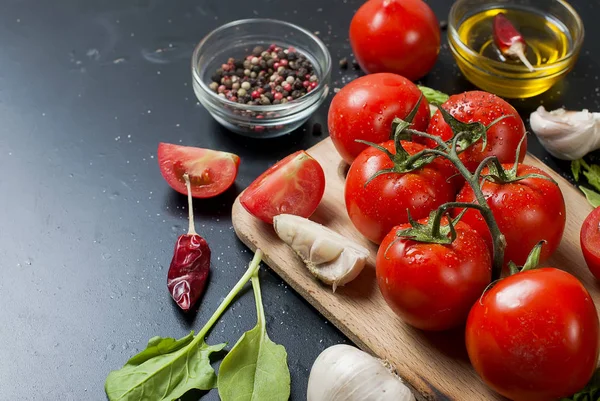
{"type": "Point", "coordinates": [433, 286]}
{"type": "Point", "coordinates": [590, 241]}
{"type": "Point", "coordinates": [476, 106]}
{"type": "Point", "coordinates": [534, 336]}
{"type": "Point", "coordinates": [211, 172]}
{"type": "Point", "coordinates": [294, 185]}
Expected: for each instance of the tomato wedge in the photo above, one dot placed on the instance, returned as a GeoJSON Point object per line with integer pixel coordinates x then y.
{"type": "Point", "coordinates": [294, 185]}
{"type": "Point", "coordinates": [590, 241]}
{"type": "Point", "coordinates": [211, 172]}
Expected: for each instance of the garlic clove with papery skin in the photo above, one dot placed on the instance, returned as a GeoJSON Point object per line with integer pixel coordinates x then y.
{"type": "Point", "coordinates": [345, 373]}
{"type": "Point", "coordinates": [329, 256]}
{"type": "Point", "coordinates": [566, 135]}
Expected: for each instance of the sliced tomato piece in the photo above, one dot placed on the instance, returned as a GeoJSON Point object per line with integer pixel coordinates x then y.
{"type": "Point", "coordinates": [590, 241]}
{"type": "Point", "coordinates": [211, 172]}
{"type": "Point", "coordinates": [294, 185]}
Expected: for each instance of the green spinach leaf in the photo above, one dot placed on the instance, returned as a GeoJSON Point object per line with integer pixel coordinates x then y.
{"type": "Point", "coordinates": [576, 168]}
{"type": "Point", "coordinates": [256, 368]}
{"type": "Point", "coordinates": [168, 368]}
{"type": "Point", "coordinates": [433, 96]}
{"type": "Point", "coordinates": [165, 370]}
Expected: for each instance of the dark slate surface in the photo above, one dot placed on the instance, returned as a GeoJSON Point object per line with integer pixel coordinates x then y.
{"type": "Point", "coordinates": [87, 90]}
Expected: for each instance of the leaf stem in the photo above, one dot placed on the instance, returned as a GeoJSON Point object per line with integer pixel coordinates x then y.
{"type": "Point", "coordinates": [250, 273]}
{"type": "Point", "coordinates": [260, 310]}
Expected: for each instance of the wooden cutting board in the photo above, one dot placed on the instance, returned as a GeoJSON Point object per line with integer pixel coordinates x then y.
{"type": "Point", "coordinates": [436, 365]}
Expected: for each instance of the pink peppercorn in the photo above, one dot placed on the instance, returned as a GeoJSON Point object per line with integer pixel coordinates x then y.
{"type": "Point", "coordinates": [283, 62]}
{"type": "Point", "coordinates": [306, 84]}
{"type": "Point", "coordinates": [276, 65]}
{"type": "Point", "coordinates": [260, 90]}
{"type": "Point", "coordinates": [287, 87]}
{"type": "Point", "coordinates": [313, 85]}
{"type": "Point", "coordinates": [221, 88]}
{"type": "Point", "coordinates": [290, 98]}
{"type": "Point", "coordinates": [278, 96]}
{"type": "Point", "coordinates": [255, 95]}
{"type": "Point", "coordinates": [233, 99]}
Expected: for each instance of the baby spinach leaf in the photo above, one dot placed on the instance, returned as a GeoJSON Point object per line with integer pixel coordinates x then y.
{"type": "Point", "coordinates": [165, 370]}
{"type": "Point", "coordinates": [256, 368]}
{"type": "Point", "coordinates": [168, 368]}
{"type": "Point", "coordinates": [432, 95]}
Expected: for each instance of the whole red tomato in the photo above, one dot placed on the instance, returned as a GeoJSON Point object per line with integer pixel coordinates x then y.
{"type": "Point", "coordinates": [294, 185]}
{"type": "Point", "coordinates": [399, 36]}
{"type": "Point", "coordinates": [433, 286]}
{"type": "Point", "coordinates": [502, 139]}
{"type": "Point", "coordinates": [527, 212]}
{"type": "Point", "coordinates": [590, 241]}
{"type": "Point", "coordinates": [365, 108]}
{"type": "Point", "coordinates": [534, 336]}
{"type": "Point", "coordinates": [375, 208]}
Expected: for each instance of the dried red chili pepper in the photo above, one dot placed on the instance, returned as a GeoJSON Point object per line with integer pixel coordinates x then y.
{"type": "Point", "coordinates": [509, 40]}
{"type": "Point", "coordinates": [190, 264]}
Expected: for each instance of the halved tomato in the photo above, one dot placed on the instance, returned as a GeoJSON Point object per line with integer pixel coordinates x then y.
{"type": "Point", "coordinates": [590, 241]}
{"type": "Point", "coordinates": [294, 185]}
{"type": "Point", "coordinates": [211, 172]}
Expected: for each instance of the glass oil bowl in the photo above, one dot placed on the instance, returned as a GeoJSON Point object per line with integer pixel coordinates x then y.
{"type": "Point", "coordinates": [555, 37]}
{"type": "Point", "coordinates": [237, 39]}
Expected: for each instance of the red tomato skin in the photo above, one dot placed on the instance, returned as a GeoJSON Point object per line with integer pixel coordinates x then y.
{"type": "Point", "coordinates": [590, 241]}
{"type": "Point", "coordinates": [376, 208]}
{"type": "Point", "coordinates": [502, 139]}
{"type": "Point", "coordinates": [365, 108]}
{"type": "Point", "coordinates": [211, 172]}
{"type": "Point", "coordinates": [527, 212]}
{"type": "Point", "coordinates": [534, 336]}
{"type": "Point", "coordinates": [294, 185]}
{"type": "Point", "coordinates": [398, 36]}
{"type": "Point", "coordinates": [433, 286]}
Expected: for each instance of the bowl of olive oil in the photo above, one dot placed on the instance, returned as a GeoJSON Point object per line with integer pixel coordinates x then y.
{"type": "Point", "coordinates": [552, 30]}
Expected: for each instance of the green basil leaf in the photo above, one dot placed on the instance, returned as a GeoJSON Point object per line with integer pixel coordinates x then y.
{"type": "Point", "coordinates": [576, 168]}
{"type": "Point", "coordinates": [592, 197]}
{"type": "Point", "coordinates": [165, 370]}
{"type": "Point", "coordinates": [256, 368]}
{"type": "Point", "coordinates": [592, 174]}
{"type": "Point", "coordinates": [433, 96]}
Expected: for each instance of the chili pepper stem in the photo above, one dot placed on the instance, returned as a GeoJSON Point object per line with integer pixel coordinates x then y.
{"type": "Point", "coordinates": [191, 226]}
{"type": "Point", "coordinates": [518, 49]}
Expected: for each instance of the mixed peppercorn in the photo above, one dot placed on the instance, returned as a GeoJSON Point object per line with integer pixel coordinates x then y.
{"type": "Point", "coordinates": [267, 76]}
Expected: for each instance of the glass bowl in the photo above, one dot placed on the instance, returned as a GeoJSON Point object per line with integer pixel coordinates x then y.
{"type": "Point", "coordinates": [507, 79]}
{"type": "Point", "coordinates": [237, 39]}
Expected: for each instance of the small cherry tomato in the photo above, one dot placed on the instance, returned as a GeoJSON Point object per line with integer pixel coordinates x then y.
{"type": "Point", "coordinates": [590, 241]}
{"type": "Point", "coordinates": [476, 106]}
{"type": "Point", "coordinates": [375, 208]}
{"type": "Point", "coordinates": [294, 185]}
{"type": "Point", "coordinates": [211, 172]}
{"type": "Point", "coordinates": [433, 286]}
{"type": "Point", "coordinates": [365, 108]}
{"type": "Point", "coordinates": [527, 212]}
{"type": "Point", "coordinates": [534, 336]}
{"type": "Point", "coordinates": [399, 36]}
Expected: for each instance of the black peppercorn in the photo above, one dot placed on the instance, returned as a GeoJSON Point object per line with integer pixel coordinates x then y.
{"type": "Point", "coordinates": [239, 72]}
{"type": "Point", "coordinates": [302, 72]}
{"type": "Point", "coordinates": [255, 68]}
{"type": "Point", "coordinates": [269, 96]}
{"type": "Point", "coordinates": [270, 63]}
{"type": "Point", "coordinates": [216, 77]}
{"type": "Point", "coordinates": [257, 51]}
{"type": "Point", "coordinates": [281, 55]}
{"type": "Point", "coordinates": [263, 64]}
{"type": "Point", "coordinates": [239, 64]}
{"type": "Point", "coordinates": [276, 101]}
{"type": "Point", "coordinates": [291, 56]}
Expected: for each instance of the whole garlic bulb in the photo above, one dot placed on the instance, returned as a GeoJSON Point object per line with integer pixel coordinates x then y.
{"type": "Point", "coordinates": [567, 135]}
{"type": "Point", "coordinates": [345, 373]}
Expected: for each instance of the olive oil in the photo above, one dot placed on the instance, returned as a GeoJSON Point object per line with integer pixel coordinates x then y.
{"type": "Point", "coordinates": [549, 45]}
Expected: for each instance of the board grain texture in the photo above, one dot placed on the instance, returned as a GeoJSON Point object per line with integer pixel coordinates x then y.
{"type": "Point", "coordinates": [436, 365]}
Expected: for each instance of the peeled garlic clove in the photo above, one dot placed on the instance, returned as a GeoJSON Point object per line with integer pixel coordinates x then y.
{"type": "Point", "coordinates": [329, 256]}
{"type": "Point", "coordinates": [345, 373]}
{"type": "Point", "coordinates": [567, 135]}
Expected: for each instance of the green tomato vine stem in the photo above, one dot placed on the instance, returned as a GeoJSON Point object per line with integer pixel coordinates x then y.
{"type": "Point", "coordinates": [474, 180]}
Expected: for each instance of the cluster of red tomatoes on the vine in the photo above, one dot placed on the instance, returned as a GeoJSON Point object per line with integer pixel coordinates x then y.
{"type": "Point", "coordinates": [533, 335]}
